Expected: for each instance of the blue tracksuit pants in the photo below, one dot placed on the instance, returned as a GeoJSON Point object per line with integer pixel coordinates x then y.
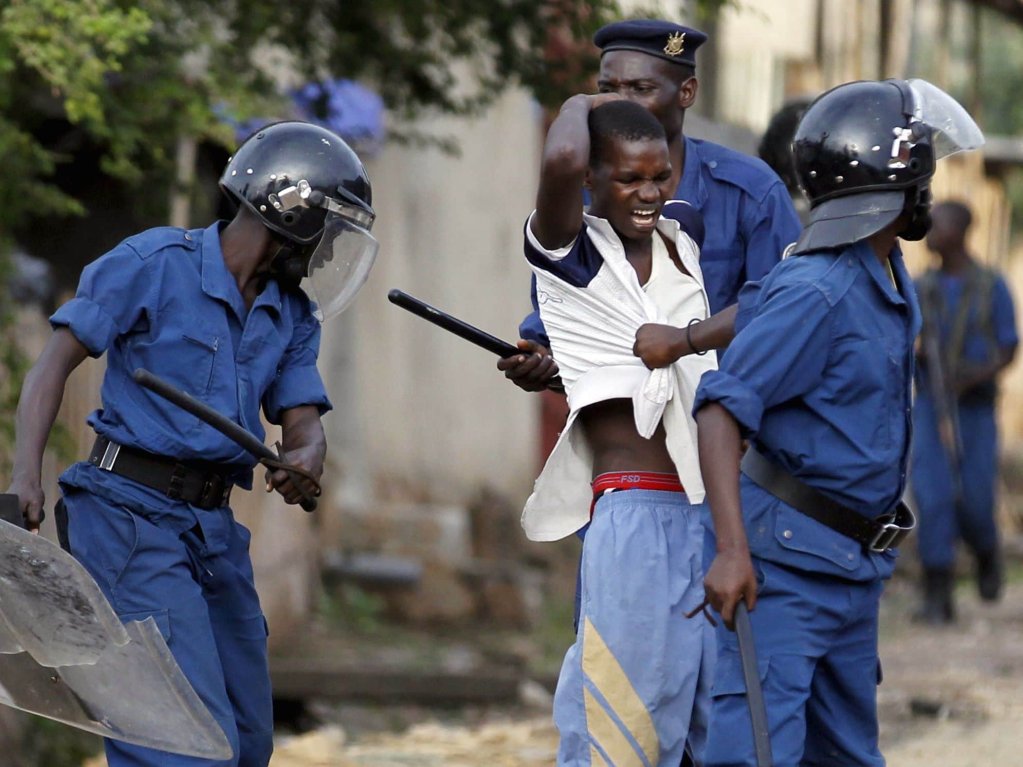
{"type": "Point", "coordinates": [633, 688]}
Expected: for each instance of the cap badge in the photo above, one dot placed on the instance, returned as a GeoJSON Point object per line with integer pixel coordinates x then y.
{"type": "Point", "coordinates": [676, 44]}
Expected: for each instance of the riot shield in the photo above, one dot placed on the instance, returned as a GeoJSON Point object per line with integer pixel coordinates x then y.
{"type": "Point", "coordinates": [65, 655]}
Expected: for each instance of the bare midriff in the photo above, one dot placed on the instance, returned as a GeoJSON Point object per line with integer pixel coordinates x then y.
{"type": "Point", "coordinates": [610, 429]}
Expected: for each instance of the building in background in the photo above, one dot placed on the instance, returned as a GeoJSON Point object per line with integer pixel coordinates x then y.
{"type": "Point", "coordinates": [424, 425]}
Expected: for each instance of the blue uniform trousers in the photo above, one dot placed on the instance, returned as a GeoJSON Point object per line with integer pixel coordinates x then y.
{"type": "Point", "coordinates": [205, 604]}
{"type": "Point", "coordinates": [941, 524]}
{"type": "Point", "coordinates": [634, 687]}
{"type": "Point", "coordinates": [816, 641]}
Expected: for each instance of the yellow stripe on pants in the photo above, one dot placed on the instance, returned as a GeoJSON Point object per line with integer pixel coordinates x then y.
{"type": "Point", "coordinates": [602, 669]}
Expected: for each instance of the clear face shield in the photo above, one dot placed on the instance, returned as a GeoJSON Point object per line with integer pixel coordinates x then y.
{"type": "Point", "coordinates": [341, 263]}
{"type": "Point", "coordinates": [953, 130]}
{"type": "Point", "coordinates": [342, 259]}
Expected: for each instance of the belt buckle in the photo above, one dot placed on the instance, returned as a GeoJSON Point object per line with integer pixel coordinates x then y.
{"type": "Point", "coordinates": [216, 491]}
{"type": "Point", "coordinates": [109, 456]}
{"type": "Point", "coordinates": [886, 537]}
{"type": "Point", "coordinates": [892, 532]}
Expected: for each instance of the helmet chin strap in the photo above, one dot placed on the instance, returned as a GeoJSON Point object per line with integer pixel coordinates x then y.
{"type": "Point", "coordinates": [289, 264]}
{"type": "Point", "coordinates": [918, 206]}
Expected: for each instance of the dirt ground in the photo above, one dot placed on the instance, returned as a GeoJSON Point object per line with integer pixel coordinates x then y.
{"type": "Point", "coordinates": [950, 696]}
{"type": "Point", "coordinates": [955, 695]}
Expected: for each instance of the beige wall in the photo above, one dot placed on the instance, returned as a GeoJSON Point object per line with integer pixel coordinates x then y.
{"type": "Point", "coordinates": [423, 414]}
{"type": "Point", "coordinates": [754, 40]}
{"type": "Point", "coordinates": [768, 50]}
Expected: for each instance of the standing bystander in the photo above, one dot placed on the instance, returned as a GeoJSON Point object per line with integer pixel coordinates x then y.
{"type": "Point", "coordinates": [969, 337]}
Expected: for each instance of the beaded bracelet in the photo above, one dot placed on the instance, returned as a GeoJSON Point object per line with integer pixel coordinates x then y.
{"type": "Point", "coordinates": [689, 339]}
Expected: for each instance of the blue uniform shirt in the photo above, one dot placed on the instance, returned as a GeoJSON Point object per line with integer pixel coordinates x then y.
{"type": "Point", "coordinates": [164, 300]}
{"type": "Point", "coordinates": [820, 379]}
{"type": "Point", "coordinates": [748, 217]}
{"type": "Point", "coordinates": [979, 347]}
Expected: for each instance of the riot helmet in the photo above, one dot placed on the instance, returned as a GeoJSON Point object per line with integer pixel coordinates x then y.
{"type": "Point", "coordinates": [312, 192]}
{"type": "Point", "coordinates": [865, 152]}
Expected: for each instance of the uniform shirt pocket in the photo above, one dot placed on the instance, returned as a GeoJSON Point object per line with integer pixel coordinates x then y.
{"type": "Point", "coordinates": [198, 357]}
{"type": "Point", "coordinates": [184, 357]}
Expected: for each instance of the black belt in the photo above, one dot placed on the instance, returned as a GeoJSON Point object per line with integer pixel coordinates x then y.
{"type": "Point", "coordinates": [877, 534]}
{"type": "Point", "coordinates": [204, 486]}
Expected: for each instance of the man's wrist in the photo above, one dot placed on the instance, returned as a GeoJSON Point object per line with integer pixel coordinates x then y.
{"type": "Point", "coordinates": [693, 349]}
{"type": "Point", "coordinates": [27, 475]}
{"type": "Point", "coordinates": [733, 548]}
{"type": "Point", "coordinates": [680, 347]}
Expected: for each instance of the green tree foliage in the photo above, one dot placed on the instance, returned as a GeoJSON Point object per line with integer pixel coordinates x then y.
{"type": "Point", "coordinates": [53, 51]}
{"type": "Point", "coordinates": [133, 76]}
{"type": "Point", "coordinates": [1000, 82]}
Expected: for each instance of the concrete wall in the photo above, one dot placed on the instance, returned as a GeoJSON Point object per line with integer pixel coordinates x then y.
{"type": "Point", "coordinates": [421, 414]}
{"type": "Point", "coordinates": [754, 40]}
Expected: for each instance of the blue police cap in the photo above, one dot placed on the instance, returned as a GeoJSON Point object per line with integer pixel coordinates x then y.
{"type": "Point", "coordinates": [663, 39]}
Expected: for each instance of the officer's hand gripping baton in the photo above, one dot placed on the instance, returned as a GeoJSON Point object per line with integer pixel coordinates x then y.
{"type": "Point", "coordinates": [461, 329]}
{"type": "Point", "coordinates": [228, 428]}
{"type": "Point", "coordinates": [754, 695]}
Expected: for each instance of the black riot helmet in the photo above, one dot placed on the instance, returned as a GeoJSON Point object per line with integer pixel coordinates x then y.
{"type": "Point", "coordinates": [865, 152]}
{"type": "Point", "coordinates": [311, 190]}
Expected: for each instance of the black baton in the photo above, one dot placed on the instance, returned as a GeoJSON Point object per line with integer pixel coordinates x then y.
{"type": "Point", "coordinates": [462, 329]}
{"type": "Point", "coordinates": [754, 695]}
{"type": "Point", "coordinates": [208, 415]}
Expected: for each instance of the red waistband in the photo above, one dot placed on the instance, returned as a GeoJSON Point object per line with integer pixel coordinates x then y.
{"type": "Point", "coordinates": [634, 480]}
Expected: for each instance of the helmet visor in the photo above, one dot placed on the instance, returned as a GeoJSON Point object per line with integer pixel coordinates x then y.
{"type": "Point", "coordinates": [953, 128]}
{"type": "Point", "coordinates": [339, 266]}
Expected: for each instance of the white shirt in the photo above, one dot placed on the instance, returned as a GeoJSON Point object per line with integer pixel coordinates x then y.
{"type": "Point", "coordinates": [592, 330]}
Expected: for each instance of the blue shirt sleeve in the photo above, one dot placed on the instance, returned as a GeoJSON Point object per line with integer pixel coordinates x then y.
{"type": "Point", "coordinates": [1004, 316]}
{"type": "Point", "coordinates": [298, 381]}
{"type": "Point", "coordinates": [778, 356]}
{"type": "Point", "coordinates": [115, 294]}
{"type": "Point", "coordinates": [531, 328]}
{"type": "Point", "coordinates": [768, 229]}
{"type": "Point", "coordinates": [748, 301]}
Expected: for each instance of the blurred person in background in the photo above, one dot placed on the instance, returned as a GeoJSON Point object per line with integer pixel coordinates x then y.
{"type": "Point", "coordinates": [969, 337]}
{"type": "Point", "coordinates": [775, 149]}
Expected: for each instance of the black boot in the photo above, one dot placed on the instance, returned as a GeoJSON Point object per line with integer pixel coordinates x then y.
{"type": "Point", "coordinates": [937, 609]}
{"type": "Point", "coordinates": [989, 576]}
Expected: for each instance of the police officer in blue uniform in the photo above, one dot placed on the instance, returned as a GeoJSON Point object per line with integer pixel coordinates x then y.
{"type": "Point", "coordinates": [819, 380]}
{"type": "Point", "coordinates": [748, 214]}
{"type": "Point", "coordinates": [970, 334]}
{"type": "Point", "coordinates": [217, 312]}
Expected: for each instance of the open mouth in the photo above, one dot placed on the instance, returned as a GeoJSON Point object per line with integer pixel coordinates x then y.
{"type": "Point", "coordinates": [644, 217]}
